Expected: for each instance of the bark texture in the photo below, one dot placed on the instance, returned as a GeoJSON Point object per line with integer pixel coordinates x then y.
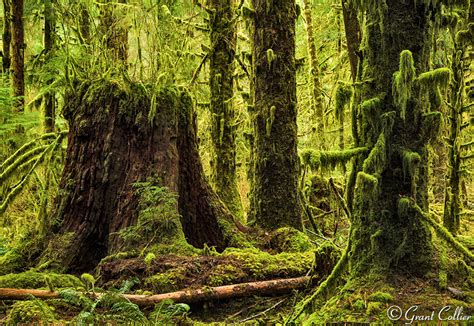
{"type": "Point", "coordinates": [49, 33]}
{"type": "Point", "coordinates": [116, 141]}
{"type": "Point", "coordinates": [18, 54]}
{"type": "Point", "coordinates": [223, 132]}
{"type": "Point", "coordinates": [353, 35]}
{"type": "Point", "coordinates": [7, 35]}
{"type": "Point", "coordinates": [276, 199]}
{"type": "Point", "coordinates": [186, 296]}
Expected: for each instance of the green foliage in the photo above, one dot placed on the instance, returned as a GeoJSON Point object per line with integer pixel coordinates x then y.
{"type": "Point", "coordinates": [31, 311]}
{"type": "Point", "coordinates": [289, 240]}
{"type": "Point", "coordinates": [374, 308]}
{"type": "Point", "coordinates": [158, 219]}
{"type": "Point", "coordinates": [167, 312]}
{"type": "Point", "coordinates": [376, 161]}
{"type": "Point", "coordinates": [89, 281]}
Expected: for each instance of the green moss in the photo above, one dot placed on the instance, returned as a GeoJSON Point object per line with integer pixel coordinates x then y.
{"type": "Point", "coordinates": [343, 98]}
{"type": "Point", "coordinates": [29, 312]}
{"type": "Point", "coordinates": [373, 308]}
{"type": "Point", "coordinates": [225, 274]}
{"type": "Point", "coordinates": [402, 86]}
{"type": "Point", "coordinates": [262, 265]}
{"type": "Point", "coordinates": [166, 282]}
{"type": "Point", "coordinates": [435, 78]}
{"type": "Point", "coordinates": [358, 305]}
{"type": "Point", "coordinates": [119, 256]}
{"type": "Point", "coordinates": [34, 280]}
{"type": "Point", "coordinates": [288, 239]}
{"type": "Point", "coordinates": [329, 160]}
{"type": "Point", "coordinates": [381, 297]}
{"type": "Point", "coordinates": [376, 161]}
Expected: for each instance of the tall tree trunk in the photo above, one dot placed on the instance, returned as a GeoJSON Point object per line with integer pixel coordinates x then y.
{"type": "Point", "coordinates": [49, 33]}
{"type": "Point", "coordinates": [114, 142]}
{"type": "Point", "coordinates": [18, 55]}
{"type": "Point", "coordinates": [223, 42]}
{"type": "Point", "coordinates": [460, 63]}
{"type": "Point", "coordinates": [353, 35]}
{"type": "Point", "coordinates": [314, 72]}
{"type": "Point", "coordinates": [7, 35]}
{"type": "Point", "coordinates": [275, 192]}
{"type": "Point", "coordinates": [114, 34]}
{"type": "Point", "coordinates": [398, 121]}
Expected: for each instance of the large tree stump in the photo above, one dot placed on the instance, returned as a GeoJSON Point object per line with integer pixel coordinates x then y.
{"type": "Point", "coordinates": [120, 134]}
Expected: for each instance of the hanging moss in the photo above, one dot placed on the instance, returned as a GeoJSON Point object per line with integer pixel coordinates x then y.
{"type": "Point", "coordinates": [402, 86]}
{"type": "Point", "coordinates": [343, 98]}
{"type": "Point", "coordinates": [438, 77]}
{"type": "Point", "coordinates": [410, 162]}
{"type": "Point", "coordinates": [377, 159]}
{"type": "Point", "coordinates": [328, 160]}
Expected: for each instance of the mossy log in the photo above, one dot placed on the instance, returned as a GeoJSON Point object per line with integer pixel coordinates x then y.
{"type": "Point", "coordinates": [122, 133]}
{"type": "Point", "coordinates": [186, 296]}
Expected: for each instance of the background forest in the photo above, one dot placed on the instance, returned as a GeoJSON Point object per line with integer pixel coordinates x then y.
{"type": "Point", "coordinates": [322, 148]}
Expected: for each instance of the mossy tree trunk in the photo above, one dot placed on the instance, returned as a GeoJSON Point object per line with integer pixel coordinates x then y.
{"type": "Point", "coordinates": [276, 199]}
{"type": "Point", "coordinates": [457, 151]}
{"type": "Point", "coordinates": [314, 72]}
{"type": "Point", "coordinates": [114, 142]}
{"type": "Point", "coordinates": [18, 55]}
{"type": "Point", "coordinates": [114, 34]}
{"type": "Point", "coordinates": [49, 33]}
{"type": "Point", "coordinates": [397, 122]}
{"type": "Point", "coordinates": [223, 130]}
{"type": "Point", "coordinates": [7, 35]}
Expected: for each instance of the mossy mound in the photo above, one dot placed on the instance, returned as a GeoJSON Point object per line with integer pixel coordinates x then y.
{"type": "Point", "coordinates": [10, 262]}
{"type": "Point", "coordinates": [32, 311]}
{"type": "Point", "coordinates": [34, 280]}
{"type": "Point", "coordinates": [288, 240]}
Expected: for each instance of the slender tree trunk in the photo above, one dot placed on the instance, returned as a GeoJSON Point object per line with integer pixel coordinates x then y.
{"type": "Point", "coordinates": [388, 230]}
{"type": "Point", "coordinates": [353, 35]}
{"type": "Point", "coordinates": [314, 72]}
{"type": "Point", "coordinates": [223, 42]}
{"type": "Point", "coordinates": [84, 27]}
{"type": "Point", "coordinates": [452, 200]}
{"type": "Point", "coordinates": [18, 55]}
{"type": "Point", "coordinates": [49, 33]}
{"type": "Point", "coordinates": [7, 35]}
{"type": "Point", "coordinates": [115, 35]}
{"type": "Point", "coordinates": [275, 192]}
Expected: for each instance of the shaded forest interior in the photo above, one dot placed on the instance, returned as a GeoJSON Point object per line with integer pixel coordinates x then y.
{"type": "Point", "coordinates": [236, 161]}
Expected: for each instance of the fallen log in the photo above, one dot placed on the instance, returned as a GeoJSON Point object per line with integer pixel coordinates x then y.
{"type": "Point", "coordinates": [186, 296]}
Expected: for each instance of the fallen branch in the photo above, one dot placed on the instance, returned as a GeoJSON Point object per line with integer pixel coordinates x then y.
{"type": "Point", "coordinates": [186, 296]}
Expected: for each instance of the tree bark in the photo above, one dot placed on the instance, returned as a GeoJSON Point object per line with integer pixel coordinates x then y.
{"type": "Point", "coordinates": [113, 145]}
{"type": "Point", "coordinates": [276, 198]}
{"type": "Point", "coordinates": [353, 35]}
{"type": "Point", "coordinates": [7, 35]}
{"type": "Point", "coordinates": [49, 33]}
{"type": "Point", "coordinates": [388, 233]}
{"type": "Point", "coordinates": [186, 296]}
{"type": "Point", "coordinates": [18, 55]}
{"type": "Point", "coordinates": [223, 130]}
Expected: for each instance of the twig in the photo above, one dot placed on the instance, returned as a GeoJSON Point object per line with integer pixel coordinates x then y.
{"type": "Point", "coordinates": [198, 70]}
{"type": "Point", "coordinates": [341, 200]}
{"type": "Point", "coordinates": [263, 312]}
